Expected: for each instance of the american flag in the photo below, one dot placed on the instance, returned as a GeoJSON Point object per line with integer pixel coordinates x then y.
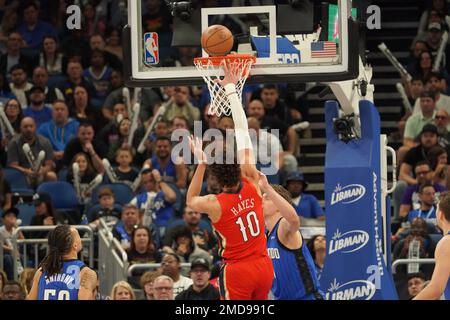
{"type": "Point", "coordinates": [323, 49]}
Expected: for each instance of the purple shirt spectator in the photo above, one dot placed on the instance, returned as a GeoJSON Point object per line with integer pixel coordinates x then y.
{"type": "Point", "coordinates": [411, 195]}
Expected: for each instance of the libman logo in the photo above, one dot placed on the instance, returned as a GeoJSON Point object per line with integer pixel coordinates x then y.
{"type": "Point", "coordinates": [348, 194]}
{"type": "Point", "coordinates": [348, 242]}
{"type": "Point", "coordinates": [352, 290]}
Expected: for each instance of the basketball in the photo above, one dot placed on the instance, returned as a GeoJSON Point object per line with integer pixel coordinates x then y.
{"type": "Point", "coordinates": [217, 40]}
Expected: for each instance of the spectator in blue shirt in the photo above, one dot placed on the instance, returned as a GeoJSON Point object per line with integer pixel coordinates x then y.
{"type": "Point", "coordinates": [156, 202]}
{"type": "Point", "coordinates": [37, 108]}
{"type": "Point", "coordinates": [61, 129]}
{"type": "Point", "coordinates": [305, 204]}
{"type": "Point", "coordinates": [427, 210]}
{"type": "Point", "coordinates": [34, 30]}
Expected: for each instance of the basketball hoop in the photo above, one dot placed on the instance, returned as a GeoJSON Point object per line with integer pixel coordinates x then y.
{"type": "Point", "coordinates": [211, 70]}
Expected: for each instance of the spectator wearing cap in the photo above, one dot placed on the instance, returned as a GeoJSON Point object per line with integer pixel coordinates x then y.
{"type": "Point", "coordinates": [306, 205]}
{"type": "Point", "coordinates": [428, 139]}
{"type": "Point", "coordinates": [60, 129]}
{"type": "Point", "coordinates": [416, 122]}
{"type": "Point", "coordinates": [108, 210]}
{"type": "Point", "coordinates": [200, 289]}
{"type": "Point", "coordinates": [434, 36]}
{"type": "Point", "coordinates": [40, 79]}
{"type": "Point", "coordinates": [436, 84]}
{"type": "Point", "coordinates": [19, 84]}
{"type": "Point", "coordinates": [37, 109]}
{"type": "Point", "coordinates": [7, 231]}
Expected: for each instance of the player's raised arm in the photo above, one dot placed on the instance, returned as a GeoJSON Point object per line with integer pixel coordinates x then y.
{"type": "Point", "coordinates": [441, 273]}
{"type": "Point", "coordinates": [243, 141]}
{"type": "Point", "coordinates": [207, 204]}
{"type": "Point", "coordinates": [287, 211]}
{"type": "Point", "coordinates": [88, 283]}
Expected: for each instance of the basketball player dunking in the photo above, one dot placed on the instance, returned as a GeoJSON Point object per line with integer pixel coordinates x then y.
{"type": "Point", "coordinates": [440, 281]}
{"type": "Point", "coordinates": [295, 274]}
{"type": "Point", "coordinates": [61, 276]}
{"type": "Point", "coordinates": [236, 213]}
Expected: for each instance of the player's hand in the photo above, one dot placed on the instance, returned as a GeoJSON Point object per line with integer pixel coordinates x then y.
{"type": "Point", "coordinates": [231, 72]}
{"type": "Point", "coordinates": [196, 146]}
{"type": "Point", "coordinates": [263, 182]}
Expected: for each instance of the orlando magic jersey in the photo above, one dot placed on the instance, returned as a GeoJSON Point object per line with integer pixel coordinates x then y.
{"type": "Point", "coordinates": [447, 288]}
{"type": "Point", "coordinates": [295, 275]}
{"type": "Point", "coordinates": [63, 285]}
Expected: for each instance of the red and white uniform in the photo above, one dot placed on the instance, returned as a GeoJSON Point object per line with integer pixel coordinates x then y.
{"type": "Point", "coordinates": [247, 273]}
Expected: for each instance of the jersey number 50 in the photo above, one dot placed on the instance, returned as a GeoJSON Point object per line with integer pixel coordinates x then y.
{"type": "Point", "coordinates": [62, 295]}
{"type": "Point", "coordinates": [252, 224]}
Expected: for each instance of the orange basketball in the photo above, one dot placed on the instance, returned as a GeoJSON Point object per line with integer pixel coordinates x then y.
{"type": "Point", "coordinates": [217, 40]}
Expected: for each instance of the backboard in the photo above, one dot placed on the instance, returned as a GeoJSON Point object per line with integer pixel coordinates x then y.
{"type": "Point", "coordinates": [313, 42]}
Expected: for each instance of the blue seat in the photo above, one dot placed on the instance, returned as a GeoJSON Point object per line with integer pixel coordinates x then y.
{"type": "Point", "coordinates": [62, 174]}
{"type": "Point", "coordinates": [17, 180]}
{"type": "Point", "coordinates": [26, 212]}
{"type": "Point", "coordinates": [122, 193]}
{"type": "Point", "coordinates": [62, 193]}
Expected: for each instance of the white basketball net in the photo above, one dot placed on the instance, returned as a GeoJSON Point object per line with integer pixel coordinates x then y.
{"type": "Point", "coordinates": [211, 71]}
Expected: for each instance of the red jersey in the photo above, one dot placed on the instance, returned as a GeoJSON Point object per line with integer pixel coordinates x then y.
{"type": "Point", "coordinates": [240, 229]}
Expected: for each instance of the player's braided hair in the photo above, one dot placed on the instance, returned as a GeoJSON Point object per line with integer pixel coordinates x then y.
{"type": "Point", "coordinates": [60, 243]}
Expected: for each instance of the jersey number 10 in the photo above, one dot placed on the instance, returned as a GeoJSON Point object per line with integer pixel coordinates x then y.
{"type": "Point", "coordinates": [252, 224]}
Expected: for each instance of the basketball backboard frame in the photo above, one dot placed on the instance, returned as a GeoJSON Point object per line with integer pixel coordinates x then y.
{"type": "Point", "coordinates": [264, 70]}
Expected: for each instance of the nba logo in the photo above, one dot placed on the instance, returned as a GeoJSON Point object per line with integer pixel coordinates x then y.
{"type": "Point", "coordinates": [151, 48]}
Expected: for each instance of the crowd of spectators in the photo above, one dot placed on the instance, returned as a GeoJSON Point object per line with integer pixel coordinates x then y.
{"type": "Point", "coordinates": [63, 95]}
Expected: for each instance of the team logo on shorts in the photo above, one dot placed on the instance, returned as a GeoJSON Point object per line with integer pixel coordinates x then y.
{"type": "Point", "coordinates": [151, 48]}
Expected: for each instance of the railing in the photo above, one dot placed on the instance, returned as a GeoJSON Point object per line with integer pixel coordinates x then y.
{"type": "Point", "coordinates": [185, 267]}
{"type": "Point", "coordinates": [87, 238]}
{"type": "Point", "coordinates": [112, 259]}
{"type": "Point", "coordinates": [408, 261]}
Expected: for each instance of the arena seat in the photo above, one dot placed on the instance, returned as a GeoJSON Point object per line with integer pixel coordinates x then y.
{"type": "Point", "coordinates": [64, 200]}
{"type": "Point", "coordinates": [17, 180]}
{"type": "Point", "coordinates": [26, 212]}
{"type": "Point", "coordinates": [122, 193]}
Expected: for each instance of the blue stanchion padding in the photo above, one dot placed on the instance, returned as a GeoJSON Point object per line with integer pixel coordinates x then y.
{"type": "Point", "coordinates": [354, 266]}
